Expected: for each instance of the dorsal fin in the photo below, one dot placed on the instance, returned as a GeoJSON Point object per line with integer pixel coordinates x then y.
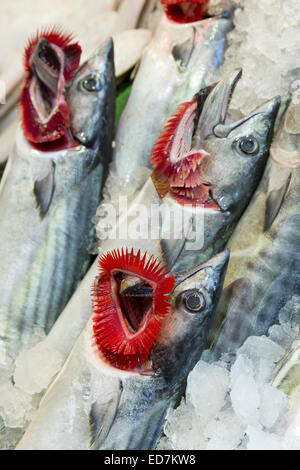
{"type": "Point", "coordinates": [101, 417]}
{"type": "Point", "coordinates": [274, 202]}
{"type": "Point", "coordinates": [182, 52]}
{"type": "Point", "coordinates": [43, 191]}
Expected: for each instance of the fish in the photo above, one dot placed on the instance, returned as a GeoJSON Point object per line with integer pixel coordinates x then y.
{"type": "Point", "coordinates": [264, 270]}
{"type": "Point", "coordinates": [105, 21]}
{"type": "Point", "coordinates": [234, 155]}
{"type": "Point", "coordinates": [180, 60]}
{"type": "Point", "coordinates": [196, 118]}
{"type": "Point", "coordinates": [129, 366]}
{"type": "Point", "coordinates": [51, 185]}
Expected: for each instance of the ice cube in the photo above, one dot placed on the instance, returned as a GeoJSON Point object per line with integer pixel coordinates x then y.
{"type": "Point", "coordinates": [274, 403]}
{"type": "Point", "coordinates": [264, 355]}
{"type": "Point", "coordinates": [36, 368]}
{"type": "Point", "coordinates": [245, 399]}
{"type": "Point", "coordinates": [207, 387]}
{"type": "Point", "coordinates": [260, 440]}
{"type": "Point", "coordinates": [224, 432]}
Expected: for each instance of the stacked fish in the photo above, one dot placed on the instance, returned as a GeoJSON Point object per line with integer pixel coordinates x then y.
{"type": "Point", "coordinates": [129, 326]}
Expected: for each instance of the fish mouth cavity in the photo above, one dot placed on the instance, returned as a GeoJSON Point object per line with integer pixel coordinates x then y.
{"type": "Point", "coordinates": [185, 11]}
{"type": "Point", "coordinates": [48, 80]}
{"type": "Point", "coordinates": [134, 303]}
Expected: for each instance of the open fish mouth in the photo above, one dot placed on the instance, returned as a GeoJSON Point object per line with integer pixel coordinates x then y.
{"type": "Point", "coordinates": [178, 166]}
{"type": "Point", "coordinates": [131, 300]}
{"type": "Point", "coordinates": [51, 59]}
{"type": "Point", "coordinates": [179, 158]}
{"type": "Point", "coordinates": [185, 12]}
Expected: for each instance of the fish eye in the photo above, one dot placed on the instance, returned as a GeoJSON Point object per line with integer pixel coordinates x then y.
{"type": "Point", "coordinates": [91, 83]}
{"type": "Point", "coordinates": [194, 301]}
{"type": "Point", "coordinates": [247, 145]}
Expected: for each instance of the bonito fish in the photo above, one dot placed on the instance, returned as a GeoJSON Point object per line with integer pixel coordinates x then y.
{"type": "Point", "coordinates": [129, 366]}
{"type": "Point", "coordinates": [51, 186]}
{"type": "Point", "coordinates": [218, 181]}
{"type": "Point", "coordinates": [104, 21]}
{"type": "Point", "coordinates": [263, 276]}
{"type": "Point", "coordinates": [180, 60]}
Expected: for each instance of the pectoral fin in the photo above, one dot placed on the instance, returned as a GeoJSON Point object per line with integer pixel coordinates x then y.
{"type": "Point", "coordinates": [102, 416]}
{"type": "Point", "coordinates": [233, 319]}
{"type": "Point", "coordinates": [182, 52]}
{"type": "Point", "coordinates": [274, 202]}
{"type": "Point", "coordinates": [43, 191]}
{"type": "Point", "coordinates": [174, 236]}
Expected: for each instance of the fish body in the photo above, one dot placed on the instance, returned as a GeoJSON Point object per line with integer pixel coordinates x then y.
{"type": "Point", "coordinates": [105, 21]}
{"type": "Point", "coordinates": [47, 200]}
{"type": "Point", "coordinates": [237, 153]}
{"type": "Point", "coordinates": [180, 60]}
{"type": "Point", "coordinates": [263, 276]}
{"type": "Point", "coordinates": [242, 172]}
{"type": "Point", "coordinates": [108, 407]}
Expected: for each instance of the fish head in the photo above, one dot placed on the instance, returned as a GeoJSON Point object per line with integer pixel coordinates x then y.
{"type": "Point", "coordinates": [149, 322]}
{"type": "Point", "coordinates": [186, 328]}
{"type": "Point", "coordinates": [202, 160]}
{"type": "Point", "coordinates": [90, 96]}
{"type": "Point", "coordinates": [63, 105]}
{"type": "Point", "coordinates": [185, 11]}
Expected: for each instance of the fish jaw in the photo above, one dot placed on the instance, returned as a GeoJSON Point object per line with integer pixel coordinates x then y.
{"type": "Point", "coordinates": [50, 62]}
{"type": "Point", "coordinates": [125, 328]}
{"type": "Point", "coordinates": [177, 166]}
{"type": "Point", "coordinates": [180, 11]}
{"type": "Point", "coordinates": [91, 96]}
{"type": "Point", "coordinates": [194, 301]}
{"type": "Point", "coordinates": [179, 158]}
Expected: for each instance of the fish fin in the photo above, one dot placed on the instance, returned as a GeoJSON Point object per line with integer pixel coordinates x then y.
{"type": "Point", "coordinates": [162, 186]}
{"type": "Point", "coordinates": [171, 249]}
{"type": "Point", "coordinates": [182, 52]}
{"type": "Point", "coordinates": [274, 202]}
{"type": "Point", "coordinates": [232, 324]}
{"type": "Point", "coordinates": [101, 418]}
{"type": "Point", "coordinates": [43, 191]}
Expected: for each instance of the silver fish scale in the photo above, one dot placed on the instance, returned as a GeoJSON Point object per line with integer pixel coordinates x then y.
{"type": "Point", "coordinates": [273, 276]}
{"type": "Point", "coordinates": [56, 248]}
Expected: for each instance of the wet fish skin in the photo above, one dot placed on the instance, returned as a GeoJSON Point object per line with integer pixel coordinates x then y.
{"type": "Point", "coordinates": [47, 201]}
{"type": "Point", "coordinates": [264, 272]}
{"type": "Point", "coordinates": [201, 45]}
{"type": "Point", "coordinates": [233, 175]}
{"type": "Point", "coordinates": [105, 408]}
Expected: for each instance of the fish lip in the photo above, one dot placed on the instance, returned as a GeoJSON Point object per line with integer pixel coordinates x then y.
{"type": "Point", "coordinates": [123, 348]}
